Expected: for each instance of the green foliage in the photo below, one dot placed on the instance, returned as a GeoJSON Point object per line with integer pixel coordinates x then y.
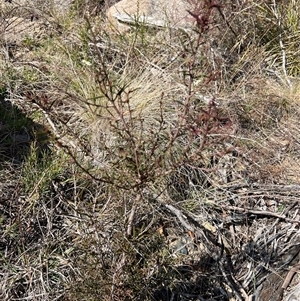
{"type": "Point", "coordinates": [39, 169]}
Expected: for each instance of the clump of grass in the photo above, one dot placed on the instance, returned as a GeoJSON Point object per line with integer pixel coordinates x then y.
{"type": "Point", "coordinates": [39, 169]}
{"type": "Point", "coordinates": [279, 30]}
{"type": "Point", "coordinates": [153, 134]}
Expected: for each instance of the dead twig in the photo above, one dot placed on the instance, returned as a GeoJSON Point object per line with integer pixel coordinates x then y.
{"type": "Point", "coordinates": [131, 216]}
{"type": "Point", "coordinates": [179, 215]}
{"type": "Point", "coordinates": [259, 212]}
{"type": "Point", "coordinates": [288, 279]}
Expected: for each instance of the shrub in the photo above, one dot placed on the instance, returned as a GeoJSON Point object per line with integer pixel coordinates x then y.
{"type": "Point", "coordinates": [152, 145]}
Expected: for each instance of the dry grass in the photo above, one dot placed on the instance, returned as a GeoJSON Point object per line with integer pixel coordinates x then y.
{"type": "Point", "coordinates": [144, 166]}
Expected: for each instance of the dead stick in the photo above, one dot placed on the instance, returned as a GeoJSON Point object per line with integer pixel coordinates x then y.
{"type": "Point", "coordinates": [178, 213]}
{"type": "Point", "coordinates": [131, 216]}
{"type": "Point", "coordinates": [260, 212]}
{"type": "Point", "coordinates": [290, 275]}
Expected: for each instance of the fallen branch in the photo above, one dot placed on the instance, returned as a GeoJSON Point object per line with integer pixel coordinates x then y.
{"type": "Point", "coordinates": [288, 279]}
{"type": "Point", "coordinates": [131, 216]}
{"type": "Point", "coordinates": [259, 212]}
{"type": "Point", "coordinates": [179, 215]}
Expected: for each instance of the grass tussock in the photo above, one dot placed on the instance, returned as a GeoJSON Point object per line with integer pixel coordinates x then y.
{"type": "Point", "coordinates": [143, 165]}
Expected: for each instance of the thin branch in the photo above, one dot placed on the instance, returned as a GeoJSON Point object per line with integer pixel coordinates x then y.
{"type": "Point", "coordinates": [179, 215]}
{"type": "Point", "coordinates": [131, 216]}
{"type": "Point", "coordinates": [260, 212]}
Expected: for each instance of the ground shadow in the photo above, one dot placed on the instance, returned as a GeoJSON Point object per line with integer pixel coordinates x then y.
{"type": "Point", "coordinates": [17, 133]}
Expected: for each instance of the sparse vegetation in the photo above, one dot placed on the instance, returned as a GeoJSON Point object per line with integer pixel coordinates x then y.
{"type": "Point", "coordinates": [156, 164]}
